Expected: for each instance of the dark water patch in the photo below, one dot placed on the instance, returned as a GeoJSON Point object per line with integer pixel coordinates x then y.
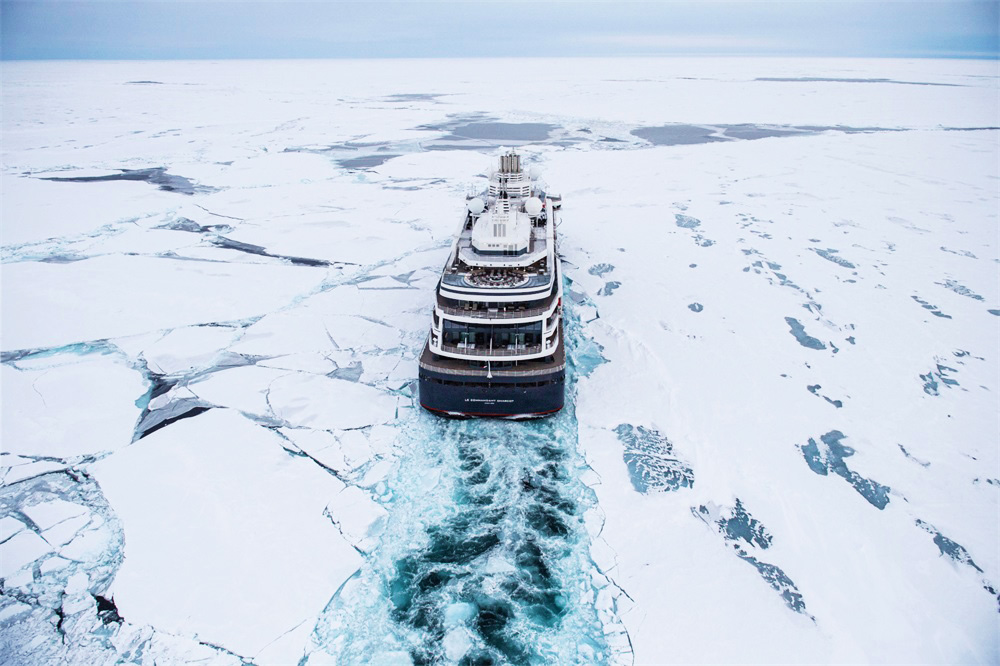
{"type": "Point", "coordinates": [954, 551]}
{"type": "Point", "coordinates": [678, 135]}
{"type": "Point", "coordinates": [351, 373]}
{"type": "Point", "coordinates": [828, 456]}
{"type": "Point", "coordinates": [480, 128]}
{"type": "Point", "coordinates": [686, 221]}
{"type": "Point", "coordinates": [57, 258]}
{"type": "Point", "coordinates": [107, 610]}
{"type": "Point", "coordinates": [652, 465]}
{"type": "Point", "coordinates": [365, 161]}
{"type": "Point", "coordinates": [168, 415]}
{"type": "Point", "coordinates": [934, 310]}
{"type": "Point", "coordinates": [230, 244]}
{"type": "Point", "coordinates": [740, 525]}
{"type": "Point", "coordinates": [844, 129]}
{"type": "Point", "coordinates": [600, 269]}
{"type": "Point", "coordinates": [785, 282]}
{"type": "Point", "coordinates": [800, 334]}
{"type": "Point", "coordinates": [413, 97]}
{"type": "Point", "coordinates": [750, 132]}
{"type": "Point", "coordinates": [909, 456]}
{"type": "Point", "coordinates": [747, 536]}
{"type": "Point", "coordinates": [458, 146]}
{"type": "Point", "coordinates": [937, 378]}
{"type": "Point", "coordinates": [814, 389]}
{"type": "Point", "coordinates": [960, 289]}
{"type": "Point", "coordinates": [961, 253]}
{"type": "Point", "coordinates": [696, 307]}
{"type": "Point", "coordinates": [831, 255]}
{"type": "Point", "coordinates": [155, 176]}
{"type": "Point", "coordinates": [247, 248]}
{"type": "Point", "coordinates": [609, 288]}
{"type": "Point", "coordinates": [824, 79]}
{"type": "Point", "coordinates": [349, 146]}
{"type": "Point", "coordinates": [144, 83]}
{"type": "Point", "coordinates": [995, 313]}
{"type": "Point", "coordinates": [504, 131]}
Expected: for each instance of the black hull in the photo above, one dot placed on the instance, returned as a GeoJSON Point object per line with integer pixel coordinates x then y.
{"type": "Point", "coordinates": [468, 396]}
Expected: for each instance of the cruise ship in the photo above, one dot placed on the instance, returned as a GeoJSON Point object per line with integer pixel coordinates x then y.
{"type": "Point", "coordinates": [496, 342]}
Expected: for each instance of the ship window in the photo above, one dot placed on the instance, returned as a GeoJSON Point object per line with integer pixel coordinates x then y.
{"type": "Point", "coordinates": [483, 336]}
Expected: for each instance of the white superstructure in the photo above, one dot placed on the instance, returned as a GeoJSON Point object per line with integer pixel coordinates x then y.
{"type": "Point", "coordinates": [500, 295]}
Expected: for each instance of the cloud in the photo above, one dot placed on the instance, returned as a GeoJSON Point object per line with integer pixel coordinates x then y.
{"type": "Point", "coordinates": [674, 43]}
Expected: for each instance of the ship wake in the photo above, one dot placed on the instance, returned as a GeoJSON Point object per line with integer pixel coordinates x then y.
{"type": "Point", "coordinates": [485, 556]}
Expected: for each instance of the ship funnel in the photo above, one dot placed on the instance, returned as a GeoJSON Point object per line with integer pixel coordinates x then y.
{"type": "Point", "coordinates": [510, 163]}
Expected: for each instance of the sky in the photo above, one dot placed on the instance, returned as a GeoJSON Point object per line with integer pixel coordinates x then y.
{"type": "Point", "coordinates": [223, 29]}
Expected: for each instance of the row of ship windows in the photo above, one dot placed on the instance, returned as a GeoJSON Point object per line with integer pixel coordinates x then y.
{"type": "Point", "coordinates": [449, 382]}
{"type": "Point", "coordinates": [499, 336]}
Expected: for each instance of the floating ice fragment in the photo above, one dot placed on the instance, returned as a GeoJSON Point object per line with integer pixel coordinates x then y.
{"type": "Point", "coordinates": [20, 550]}
{"type": "Point", "coordinates": [459, 613]}
{"type": "Point", "coordinates": [456, 643]}
{"type": "Point", "coordinates": [49, 513]}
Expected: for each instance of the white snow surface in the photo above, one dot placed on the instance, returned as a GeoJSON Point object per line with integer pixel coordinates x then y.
{"type": "Point", "coordinates": [208, 379]}
{"type": "Point", "coordinates": [226, 537]}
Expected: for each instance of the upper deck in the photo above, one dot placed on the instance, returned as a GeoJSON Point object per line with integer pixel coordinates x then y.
{"type": "Point", "coordinates": [500, 293]}
{"type": "Point", "coordinates": [505, 251]}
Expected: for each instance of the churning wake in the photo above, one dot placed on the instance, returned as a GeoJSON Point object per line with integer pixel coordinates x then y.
{"type": "Point", "coordinates": [485, 555]}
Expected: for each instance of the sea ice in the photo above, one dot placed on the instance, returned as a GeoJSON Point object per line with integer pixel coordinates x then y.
{"type": "Point", "coordinates": [260, 324]}
{"type": "Point", "coordinates": [216, 499]}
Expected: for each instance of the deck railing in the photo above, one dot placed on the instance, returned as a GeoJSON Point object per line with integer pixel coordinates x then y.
{"type": "Point", "coordinates": [486, 351]}
{"type": "Point", "coordinates": [496, 372]}
{"type": "Point", "coordinates": [494, 314]}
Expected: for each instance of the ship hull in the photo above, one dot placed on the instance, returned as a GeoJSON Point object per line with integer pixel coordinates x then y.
{"type": "Point", "coordinates": [505, 397]}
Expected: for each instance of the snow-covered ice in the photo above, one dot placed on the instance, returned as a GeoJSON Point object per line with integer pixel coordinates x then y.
{"type": "Point", "coordinates": [783, 299]}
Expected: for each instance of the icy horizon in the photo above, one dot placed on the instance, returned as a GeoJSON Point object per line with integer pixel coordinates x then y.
{"type": "Point", "coordinates": [132, 29]}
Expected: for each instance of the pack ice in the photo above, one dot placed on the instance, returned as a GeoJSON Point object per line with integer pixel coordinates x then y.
{"type": "Point", "coordinates": [782, 306]}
